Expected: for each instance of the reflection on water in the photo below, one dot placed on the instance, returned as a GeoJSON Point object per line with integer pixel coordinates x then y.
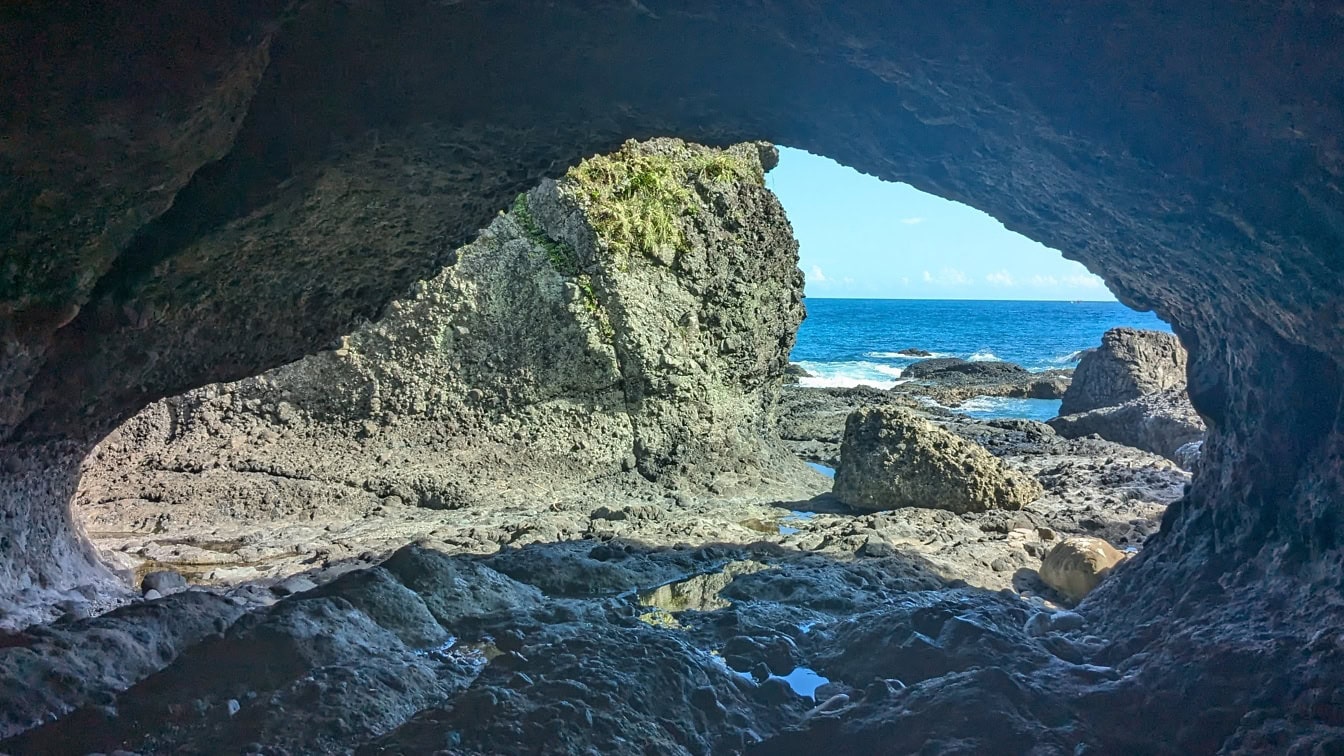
{"type": "Point", "coordinates": [701, 592]}
{"type": "Point", "coordinates": [826, 470]}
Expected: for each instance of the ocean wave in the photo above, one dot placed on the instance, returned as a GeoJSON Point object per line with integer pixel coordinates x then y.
{"type": "Point", "coordinates": [1068, 358]}
{"type": "Point", "coordinates": [849, 374]}
{"type": "Point", "coordinates": [985, 356]}
{"type": "Point", "coordinates": [992, 407]}
{"type": "Point", "coordinates": [899, 356]}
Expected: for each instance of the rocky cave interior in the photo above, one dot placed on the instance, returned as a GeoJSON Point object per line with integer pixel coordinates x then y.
{"type": "Point", "coordinates": [198, 193]}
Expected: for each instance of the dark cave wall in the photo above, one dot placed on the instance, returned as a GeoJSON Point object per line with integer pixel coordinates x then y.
{"type": "Point", "coordinates": [201, 192]}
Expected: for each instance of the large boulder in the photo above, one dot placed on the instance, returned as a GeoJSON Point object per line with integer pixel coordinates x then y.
{"type": "Point", "coordinates": [892, 458]}
{"type": "Point", "coordinates": [636, 314]}
{"type": "Point", "coordinates": [1130, 363]}
{"type": "Point", "coordinates": [1161, 423]}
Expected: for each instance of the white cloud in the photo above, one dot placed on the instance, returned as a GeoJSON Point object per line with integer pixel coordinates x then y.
{"type": "Point", "coordinates": [816, 276]}
{"type": "Point", "coordinates": [1001, 278]}
{"type": "Point", "coordinates": [1040, 281]}
{"type": "Point", "coordinates": [912, 221]}
{"type": "Point", "coordinates": [947, 277]}
{"type": "Point", "coordinates": [1084, 281]}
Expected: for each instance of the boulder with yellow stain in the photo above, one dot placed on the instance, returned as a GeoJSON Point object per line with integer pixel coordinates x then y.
{"type": "Point", "coordinates": [1077, 564]}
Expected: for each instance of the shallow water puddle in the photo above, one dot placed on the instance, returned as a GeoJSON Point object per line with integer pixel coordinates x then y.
{"type": "Point", "coordinates": [826, 470]}
{"type": "Point", "coordinates": [796, 518]}
{"type": "Point", "coordinates": [700, 592]}
{"type": "Point", "coordinates": [804, 681]}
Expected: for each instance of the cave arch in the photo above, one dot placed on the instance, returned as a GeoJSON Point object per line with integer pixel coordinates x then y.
{"type": "Point", "coordinates": [181, 176]}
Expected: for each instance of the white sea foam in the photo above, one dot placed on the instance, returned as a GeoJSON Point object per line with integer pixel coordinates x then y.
{"type": "Point", "coordinates": [1068, 358]}
{"type": "Point", "coordinates": [899, 356]}
{"type": "Point", "coordinates": [849, 374]}
{"type": "Point", "coordinates": [985, 356]}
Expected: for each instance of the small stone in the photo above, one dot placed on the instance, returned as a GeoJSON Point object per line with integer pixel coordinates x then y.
{"type": "Point", "coordinates": [1067, 621]}
{"type": "Point", "coordinates": [876, 548]}
{"type": "Point", "coordinates": [152, 595]}
{"type": "Point", "coordinates": [1045, 534]}
{"type": "Point", "coordinates": [163, 581]}
{"type": "Point", "coordinates": [233, 706]}
{"type": "Point", "coordinates": [293, 585]}
{"type": "Point", "coordinates": [1037, 625]}
{"type": "Point", "coordinates": [1001, 565]}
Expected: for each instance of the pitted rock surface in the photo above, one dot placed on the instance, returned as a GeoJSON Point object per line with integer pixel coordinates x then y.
{"type": "Point", "coordinates": [892, 458]}
{"type": "Point", "coordinates": [1129, 364]}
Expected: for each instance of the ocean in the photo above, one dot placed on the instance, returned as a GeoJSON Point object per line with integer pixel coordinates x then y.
{"type": "Point", "coordinates": [848, 342]}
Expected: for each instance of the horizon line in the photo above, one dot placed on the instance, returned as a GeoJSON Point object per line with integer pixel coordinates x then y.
{"type": "Point", "coordinates": [963, 299]}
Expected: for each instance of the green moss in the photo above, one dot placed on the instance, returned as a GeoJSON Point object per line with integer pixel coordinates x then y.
{"type": "Point", "coordinates": [634, 200]}
{"type": "Point", "coordinates": [561, 256]}
{"type": "Point", "coordinates": [594, 308]}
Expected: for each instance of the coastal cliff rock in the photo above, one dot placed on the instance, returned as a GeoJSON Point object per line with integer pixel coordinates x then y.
{"type": "Point", "coordinates": [1129, 364]}
{"type": "Point", "coordinates": [1161, 423]}
{"type": "Point", "coordinates": [891, 458]}
{"type": "Point", "coordinates": [591, 330]}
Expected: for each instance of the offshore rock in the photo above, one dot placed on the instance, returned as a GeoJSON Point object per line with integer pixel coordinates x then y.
{"type": "Point", "coordinates": [892, 458]}
{"type": "Point", "coordinates": [1130, 363]}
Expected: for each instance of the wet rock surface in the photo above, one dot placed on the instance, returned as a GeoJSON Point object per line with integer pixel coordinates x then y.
{"type": "Point", "coordinates": [951, 381]}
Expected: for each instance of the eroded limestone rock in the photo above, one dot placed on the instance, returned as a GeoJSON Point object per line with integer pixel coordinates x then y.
{"type": "Point", "coordinates": [892, 458]}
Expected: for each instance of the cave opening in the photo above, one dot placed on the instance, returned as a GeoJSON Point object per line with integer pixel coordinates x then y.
{"type": "Point", "coordinates": [327, 155]}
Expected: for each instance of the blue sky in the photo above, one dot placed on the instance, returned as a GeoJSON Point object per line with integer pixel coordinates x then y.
{"type": "Point", "coordinates": [862, 237]}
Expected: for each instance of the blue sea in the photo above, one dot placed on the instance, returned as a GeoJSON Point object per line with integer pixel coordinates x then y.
{"type": "Point", "coordinates": [848, 342]}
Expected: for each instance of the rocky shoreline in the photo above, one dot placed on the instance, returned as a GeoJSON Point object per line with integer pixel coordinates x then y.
{"type": "Point", "coordinates": [556, 494]}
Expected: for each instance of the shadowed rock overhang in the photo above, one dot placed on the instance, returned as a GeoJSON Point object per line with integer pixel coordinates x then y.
{"type": "Point", "coordinates": [196, 193]}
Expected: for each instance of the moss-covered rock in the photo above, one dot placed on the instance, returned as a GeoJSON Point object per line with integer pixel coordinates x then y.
{"type": "Point", "coordinates": [892, 458]}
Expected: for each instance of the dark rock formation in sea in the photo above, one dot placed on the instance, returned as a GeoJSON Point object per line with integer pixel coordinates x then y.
{"type": "Point", "coordinates": [941, 366]}
{"type": "Point", "coordinates": [952, 380]}
{"type": "Point", "coordinates": [573, 340]}
{"type": "Point", "coordinates": [1129, 364]}
{"type": "Point", "coordinates": [200, 192]}
{"type": "Point", "coordinates": [892, 458]}
{"type": "Point", "coordinates": [1161, 423]}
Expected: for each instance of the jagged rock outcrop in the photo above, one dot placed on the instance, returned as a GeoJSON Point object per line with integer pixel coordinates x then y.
{"type": "Point", "coordinates": [590, 330]}
{"type": "Point", "coordinates": [1131, 390]}
{"type": "Point", "coordinates": [1161, 423]}
{"type": "Point", "coordinates": [892, 458]}
{"type": "Point", "coordinates": [1129, 364]}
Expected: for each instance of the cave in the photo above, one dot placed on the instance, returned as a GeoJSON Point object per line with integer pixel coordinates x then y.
{"type": "Point", "coordinates": [199, 193]}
